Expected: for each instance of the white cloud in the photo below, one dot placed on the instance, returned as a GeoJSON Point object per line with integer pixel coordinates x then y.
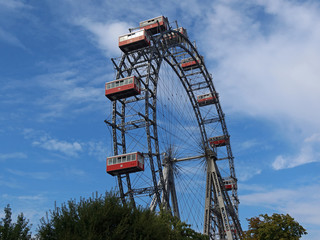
{"type": "Point", "coordinates": [44, 140]}
{"type": "Point", "coordinates": [68, 148]}
{"type": "Point", "coordinates": [106, 34]}
{"type": "Point", "coordinates": [67, 91]}
{"type": "Point", "coordinates": [38, 197]}
{"type": "Point", "coordinates": [276, 197]}
{"type": "Point", "coordinates": [97, 149]}
{"type": "Point", "coordinates": [9, 182]}
{"type": "Point", "coordinates": [34, 175]}
{"type": "Point", "coordinates": [304, 157]}
{"type": "Point", "coordinates": [12, 4]}
{"type": "Point", "coordinates": [244, 173]}
{"type": "Point", "coordinates": [74, 172]}
{"type": "Point", "coordinates": [313, 138]}
{"type": "Point", "coordinates": [309, 153]}
{"type": "Point", "coordinates": [11, 39]}
{"type": "Point", "coordinates": [251, 187]}
{"type": "Point", "coordinates": [270, 67]}
{"type": "Point", "coordinates": [26, 204]}
{"type": "Point", "coordinates": [39, 176]}
{"type": "Point", "coordinates": [304, 209]}
{"type": "Point", "coordinates": [9, 11]}
{"type": "Point", "coordinates": [249, 144]}
{"type": "Point", "coordinates": [16, 155]}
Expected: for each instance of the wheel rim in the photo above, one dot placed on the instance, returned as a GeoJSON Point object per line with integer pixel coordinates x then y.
{"type": "Point", "coordinates": [153, 131]}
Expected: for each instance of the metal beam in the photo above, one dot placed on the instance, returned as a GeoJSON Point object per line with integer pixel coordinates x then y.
{"type": "Point", "coordinates": [188, 158]}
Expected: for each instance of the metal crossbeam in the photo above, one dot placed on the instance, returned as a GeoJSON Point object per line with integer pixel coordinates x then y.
{"type": "Point", "coordinates": [142, 191]}
{"type": "Point", "coordinates": [211, 120]}
{"type": "Point", "coordinates": [188, 158]}
{"type": "Point", "coordinates": [146, 118]}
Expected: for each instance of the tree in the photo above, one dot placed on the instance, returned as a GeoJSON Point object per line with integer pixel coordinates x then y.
{"type": "Point", "coordinates": [275, 227]}
{"type": "Point", "coordinates": [14, 231]}
{"type": "Point", "coordinates": [105, 217]}
{"type": "Point", "coordinates": [180, 230]}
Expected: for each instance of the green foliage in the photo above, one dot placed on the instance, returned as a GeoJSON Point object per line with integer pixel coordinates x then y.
{"type": "Point", "coordinates": [180, 230]}
{"type": "Point", "coordinates": [104, 217]}
{"type": "Point", "coordinates": [275, 227]}
{"type": "Point", "coordinates": [14, 231]}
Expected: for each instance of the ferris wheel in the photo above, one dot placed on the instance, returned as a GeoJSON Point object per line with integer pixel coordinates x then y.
{"type": "Point", "coordinates": [171, 146]}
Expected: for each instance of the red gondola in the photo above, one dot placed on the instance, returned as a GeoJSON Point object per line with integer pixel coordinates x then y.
{"type": "Point", "coordinates": [133, 41]}
{"type": "Point", "coordinates": [189, 63]}
{"type": "Point", "coordinates": [155, 25]}
{"type": "Point", "coordinates": [125, 163]}
{"type": "Point", "coordinates": [219, 141]}
{"type": "Point", "coordinates": [174, 37]}
{"type": "Point", "coordinates": [229, 184]}
{"type": "Point", "coordinates": [206, 99]}
{"type": "Point", "coordinates": [123, 88]}
{"type": "Point", "coordinates": [183, 31]}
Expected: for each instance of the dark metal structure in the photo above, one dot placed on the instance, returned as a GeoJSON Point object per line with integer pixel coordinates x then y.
{"type": "Point", "coordinates": [141, 123]}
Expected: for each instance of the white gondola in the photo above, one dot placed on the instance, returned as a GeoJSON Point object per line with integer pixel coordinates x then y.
{"type": "Point", "coordinates": [134, 41]}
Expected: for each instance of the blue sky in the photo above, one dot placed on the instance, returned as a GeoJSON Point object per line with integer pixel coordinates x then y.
{"type": "Point", "coordinates": [55, 59]}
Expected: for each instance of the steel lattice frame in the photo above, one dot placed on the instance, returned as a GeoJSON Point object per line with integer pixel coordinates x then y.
{"type": "Point", "coordinates": [221, 207]}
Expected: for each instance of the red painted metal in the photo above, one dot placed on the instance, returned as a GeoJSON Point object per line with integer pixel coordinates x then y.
{"type": "Point", "coordinates": [121, 167]}
{"type": "Point", "coordinates": [219, 141]}
{"type": "Point", "coordinates": [190, 63]}
{"type": "Point", "coordinates": [206, 99]}
{"type": "Point", "coordinates": [122, 88]}
{"type": "Point", "coordinates": [134, 41]}
{"type": "Point", "coordinates": [174, 36]}
{"type": "Point", "coordinates": [155, 25]}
